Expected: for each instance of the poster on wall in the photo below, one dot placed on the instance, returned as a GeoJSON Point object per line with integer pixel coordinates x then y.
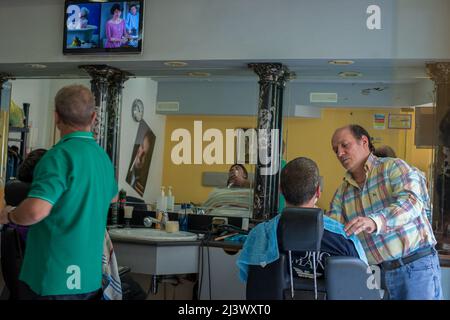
{"type": "Point", "coordinates": [141, 158]}
{"type": "Point", "coordinates": [379, 121]}
{"type": "Point", "coordinates": [399, 121]}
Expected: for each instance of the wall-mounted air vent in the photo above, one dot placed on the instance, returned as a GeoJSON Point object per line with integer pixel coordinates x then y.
{"type": "Point", "coordinates": [323, 97]}
{"type": "Point", "coordinates": [307, 111]}
{"type": "Point", "coordinates": [168, 106]}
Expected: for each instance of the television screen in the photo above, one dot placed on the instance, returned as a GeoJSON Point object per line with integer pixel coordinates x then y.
{"type": "Point", "coordinates": [103, 27]}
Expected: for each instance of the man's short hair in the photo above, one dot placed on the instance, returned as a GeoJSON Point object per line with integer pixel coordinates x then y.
{"type": "Point", "coordinates": [74, 105]}
{"type": "Point", "coordinates": [299, 180]}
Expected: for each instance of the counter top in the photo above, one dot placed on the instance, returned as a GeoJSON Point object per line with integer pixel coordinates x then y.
{"type": "Point", "coordinates": [163, 243]}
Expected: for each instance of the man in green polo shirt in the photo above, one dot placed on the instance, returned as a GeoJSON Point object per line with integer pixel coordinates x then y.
{"type": "Point", "coordinates": [67, 205]}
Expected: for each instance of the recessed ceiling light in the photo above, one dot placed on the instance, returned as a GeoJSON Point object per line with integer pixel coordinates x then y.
{"type": "Point", "coordinates": [350, 74]}
{"type": "Point", "coordinates": [36, 66]}
{"type": "Point", "coordinates": [341, 62]}
{"type": "Point", "coordinates": [69, 75]}
{"type": "Point", "coordinates": [198, 74]}
{"type": "Point", "coordinates": [175, 64]}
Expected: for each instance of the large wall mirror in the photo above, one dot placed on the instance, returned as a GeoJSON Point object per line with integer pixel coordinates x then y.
{"type": "Point", "coordinates": [200, 111]}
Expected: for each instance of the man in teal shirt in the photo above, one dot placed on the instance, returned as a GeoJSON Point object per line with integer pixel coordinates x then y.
{"type": "Point", "coordinates": [66, 207]}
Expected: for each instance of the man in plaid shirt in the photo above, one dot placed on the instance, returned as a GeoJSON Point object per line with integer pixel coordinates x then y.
{"type": "Point", "coordinates": [385, 202]}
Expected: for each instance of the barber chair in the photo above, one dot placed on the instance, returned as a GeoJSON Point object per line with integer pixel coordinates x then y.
{"type": "Point", "coordinates": [348, 278]}
{"type": "Point", "coordinates": [299, 229]}
{"type": "Point", "coordinates": [12, 245]}
{"type": "Point", "coordinates": [12, 251]}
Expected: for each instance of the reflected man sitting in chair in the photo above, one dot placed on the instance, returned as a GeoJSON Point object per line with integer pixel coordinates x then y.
{"type": "Point", "coordinates": [300, 185]}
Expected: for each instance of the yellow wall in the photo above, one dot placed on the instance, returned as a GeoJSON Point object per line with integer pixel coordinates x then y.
{"type": "Point", "coordinates": [186, 178]}
{"type": "Point", "coordinates": [304, 137]}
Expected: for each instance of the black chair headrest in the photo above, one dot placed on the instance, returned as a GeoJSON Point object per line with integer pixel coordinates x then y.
{"type": "Point", "coordinates": [300, 229]}
{"type": "Point", "coordinates": [15, 192]}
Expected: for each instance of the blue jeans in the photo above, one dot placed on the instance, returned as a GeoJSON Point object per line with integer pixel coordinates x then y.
{"type": "Point", "coordinates": [417, 280]}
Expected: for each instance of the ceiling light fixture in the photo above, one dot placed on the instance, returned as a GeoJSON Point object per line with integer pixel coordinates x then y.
{"type": "Point", "coordinates": [175, 64]}
{"type": "Point", "coordinates": [341, 62]}
{"type": "Point", "coordinates": [350, 74]}
{"type": "Point", "coordinates": [36, 66]}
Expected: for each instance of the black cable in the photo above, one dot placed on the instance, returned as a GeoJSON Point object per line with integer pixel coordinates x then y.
{"type": "Point", "coordinates": [209, 272]}
{"type": "Point", "coordinates": [200, 269]}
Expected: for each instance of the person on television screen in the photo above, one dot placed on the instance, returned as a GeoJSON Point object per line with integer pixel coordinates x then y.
{"type": "Point", "coordinates": [84, 16]}
{"type": "Point", "coordinates": [116, 33]}
{"type": "Point", "coordinates": [132, 21]}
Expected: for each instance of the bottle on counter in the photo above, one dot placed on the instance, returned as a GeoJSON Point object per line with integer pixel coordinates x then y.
{"type": "Point", "coordinates": [121, 210]}
{"type": "Point", "coordinates": [183, 217]}
{"type": "Point", "coordinates": [161, 203]}
{"type": "Point", "coordinates": [170, 200]}
{"type": "Point", "coordinates": [114, 213]}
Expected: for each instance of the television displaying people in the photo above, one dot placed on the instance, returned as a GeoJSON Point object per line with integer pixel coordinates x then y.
{"type": "Point", "coordinates": [106, 25]}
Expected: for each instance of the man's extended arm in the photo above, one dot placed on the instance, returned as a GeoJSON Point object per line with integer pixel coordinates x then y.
{"type": "Point", "coordinates": [30, 211]}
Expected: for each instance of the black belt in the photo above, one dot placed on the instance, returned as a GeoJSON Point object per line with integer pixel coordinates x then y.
{"type": "Point", "coordinates": [397, 263]}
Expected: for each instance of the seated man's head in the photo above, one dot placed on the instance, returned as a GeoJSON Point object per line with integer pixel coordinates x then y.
{"type": "Point", "coordinates": [26, 169]}
{"type": "Point", "coordinates": [300, 183]}
{"type": "Point", "coordinates": [237, 176]}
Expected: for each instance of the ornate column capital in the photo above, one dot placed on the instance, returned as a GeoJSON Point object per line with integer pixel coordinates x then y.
{"type": "Point", "coordinates": [439, 72]}
{"type": "Point", "coordinates": [105, 73]}
{"type": "Point", "coordinates": [118, 78]}
{"type": "Point", "coordinates": [272, 72]}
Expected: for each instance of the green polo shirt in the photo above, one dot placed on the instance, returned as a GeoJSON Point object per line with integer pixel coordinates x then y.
{"type": "Point", "coordinates": [64, 250]}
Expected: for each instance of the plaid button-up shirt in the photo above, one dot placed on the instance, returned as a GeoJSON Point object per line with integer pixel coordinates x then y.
{"type": "Point", "coordinates": [395, 196]}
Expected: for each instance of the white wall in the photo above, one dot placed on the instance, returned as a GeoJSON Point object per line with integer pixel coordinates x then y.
{"type": "Point", "coordinates": [36, 93]}
{"type": "Point", "coordinates": [40, 93]}
{"type": "Point", "coordinates": [144, 89]}
{"type": "Point", "coordinates": [250, 29]}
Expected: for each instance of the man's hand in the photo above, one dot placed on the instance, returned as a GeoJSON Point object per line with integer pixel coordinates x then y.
{"type": "Point", "coordinates": [360, 224]}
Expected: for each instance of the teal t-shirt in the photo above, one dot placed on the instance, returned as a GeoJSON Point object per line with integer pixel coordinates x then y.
{"type": "Point", "coordinates": [64, 250]}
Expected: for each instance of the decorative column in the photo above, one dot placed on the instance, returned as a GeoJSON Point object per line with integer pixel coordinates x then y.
{"type": "Point", "coordinates": [114, 112]}
{"type": "Point", "coordinates": [106, 85]}
{"type": "Point", "coordinates": [440, 74]}
{"type": "Point", "coordinates": [272, 79]}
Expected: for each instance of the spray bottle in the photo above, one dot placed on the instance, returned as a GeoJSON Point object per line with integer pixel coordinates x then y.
{"type": "Point", "coordinates": [170, 200]}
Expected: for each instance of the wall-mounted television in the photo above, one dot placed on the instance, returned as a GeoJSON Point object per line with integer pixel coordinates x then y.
{"type": "Point", "coordinates": [95, 27]}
